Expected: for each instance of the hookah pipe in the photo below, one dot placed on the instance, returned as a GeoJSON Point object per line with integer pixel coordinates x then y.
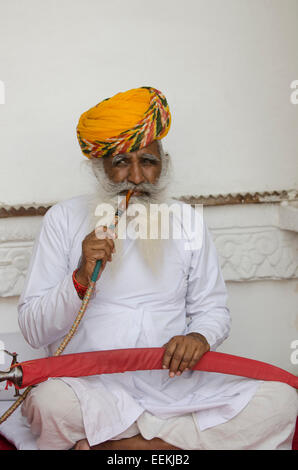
{"type": "Point", "coordinates": [15, 375]}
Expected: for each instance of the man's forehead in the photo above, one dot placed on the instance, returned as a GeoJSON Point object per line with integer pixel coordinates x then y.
{"type": "Point", "coordinates": [149, 150]}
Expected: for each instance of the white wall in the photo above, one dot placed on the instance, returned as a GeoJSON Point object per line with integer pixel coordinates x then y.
{"type": "Point", "coordinates": [225, 66]}
{"type": "Point", "coordinates": [264, 321]}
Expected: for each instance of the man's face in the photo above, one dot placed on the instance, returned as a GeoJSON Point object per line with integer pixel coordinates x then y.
{"type": "Point", "coordinates": [142, 166]}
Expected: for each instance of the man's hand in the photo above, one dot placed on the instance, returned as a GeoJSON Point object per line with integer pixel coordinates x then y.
{"type": "Point", "coordinates": [183, 352]}
{"type": "Point", "coordinates": [98, 245]}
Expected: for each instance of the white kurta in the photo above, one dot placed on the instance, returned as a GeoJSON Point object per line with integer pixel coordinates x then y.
{"type": "Point", "coordinates": [131, 308]}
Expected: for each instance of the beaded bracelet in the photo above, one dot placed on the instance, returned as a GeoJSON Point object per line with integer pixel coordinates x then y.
{"type": "Point", "coordinates": [81, 290]}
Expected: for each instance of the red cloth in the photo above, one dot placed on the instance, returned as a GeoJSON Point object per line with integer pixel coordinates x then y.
{"type": "Point", "coordinates": [81, 290]}
{"type": "Point", "coordinates": [5, 445]}
{"type": "Point", "coordinates": [121, 360]}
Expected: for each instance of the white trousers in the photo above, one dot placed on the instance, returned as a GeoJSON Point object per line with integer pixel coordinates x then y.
{"type": "Point", "coordinates": [266, 423]}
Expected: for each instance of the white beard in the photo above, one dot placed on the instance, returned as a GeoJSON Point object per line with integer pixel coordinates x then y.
{"type": "Point", "coordinates": [150, 249]}
{"type": "Point", "coordinates": [139, 226]}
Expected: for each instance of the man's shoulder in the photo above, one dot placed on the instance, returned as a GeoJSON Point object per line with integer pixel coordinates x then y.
{"type": "Point", "coordinates": [75, 207]}
{"type": "Point", "coordinates": [74, 203]}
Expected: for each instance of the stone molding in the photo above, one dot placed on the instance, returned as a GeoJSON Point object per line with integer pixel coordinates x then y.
{"type": "Point", "coordinates": [21, 211]}
{"type": "Point", "coordinates": [242, 198]}
{"type": "Point", "coordinates": [35, 209]}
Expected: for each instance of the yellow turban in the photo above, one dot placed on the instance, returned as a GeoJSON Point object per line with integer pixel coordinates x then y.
{"type": "Point", "coordinates": [124, 123]}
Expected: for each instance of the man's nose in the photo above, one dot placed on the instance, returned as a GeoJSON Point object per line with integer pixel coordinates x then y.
{"type": "Point", "coordinates": [136, 175]}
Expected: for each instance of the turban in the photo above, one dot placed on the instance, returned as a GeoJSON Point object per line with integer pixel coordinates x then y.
{"type": "Point", "coordinates": [127, 122]}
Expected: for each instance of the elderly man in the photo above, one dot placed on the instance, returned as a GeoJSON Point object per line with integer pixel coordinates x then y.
{"type": "Point", "coordinates": [151, 293]}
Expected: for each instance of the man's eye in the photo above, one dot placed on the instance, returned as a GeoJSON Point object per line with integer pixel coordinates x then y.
{"type": "Point", "coordinates": [121, 163]}
{"type": "Point", "coordinates": [148, 161]}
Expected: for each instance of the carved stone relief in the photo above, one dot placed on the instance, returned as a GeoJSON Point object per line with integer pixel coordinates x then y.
{"type": "Point", "coordinates": [257, 253]}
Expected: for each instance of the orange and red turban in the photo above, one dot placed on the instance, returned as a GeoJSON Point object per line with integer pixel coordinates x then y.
{"type": "Point", "coordinates": [125, 123]}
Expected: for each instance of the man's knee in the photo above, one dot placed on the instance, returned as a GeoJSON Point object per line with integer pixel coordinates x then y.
{"type": "Point", "coordinates": [53, 398]}
{"type": "Point", "coordinates": [54, 415]}
{"type": "Point", "coordinates": [286, 400]}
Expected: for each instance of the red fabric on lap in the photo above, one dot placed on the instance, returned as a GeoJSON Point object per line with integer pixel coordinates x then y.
{"type": "Point", "coordinates": [121, 360]}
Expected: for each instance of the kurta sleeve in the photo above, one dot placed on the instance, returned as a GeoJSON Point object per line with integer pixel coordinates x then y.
{"type": "Point", "coordinates": [49, 302]}
{"type": "Point", "coordinates": [206, 294]}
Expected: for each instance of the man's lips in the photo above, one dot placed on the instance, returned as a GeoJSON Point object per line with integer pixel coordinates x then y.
{"type": "Point", "coordinates": [136, 193]}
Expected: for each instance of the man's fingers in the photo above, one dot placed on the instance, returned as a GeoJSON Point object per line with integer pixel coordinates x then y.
{"type": "Point", "coordinates": [96, 252]}
{"type": "Point", "coordinates": [181, 354]}
{"type": "Point", "coordinates": [185, 362]}
{"type": "Point", "coordinates": [95, 249]}
{"type": "Point", "coordinates": [102, 254]}
{"type": "Point", "coordinates": [196, 357]}
{"type": "Point", "coordinates": [94, 243]}
{"type": "Point", "coordinates": [170, 349]}
{"type": "Point", "coordinates": [177, 358]}
{"type": "Point", "coordinates": [97, 243]}
{"type": "Point", "coordinates": [111, 244]}
{"type": "Point", "coordinates": [102, 233]}
{"type": "Point", "coordinates": [174, 358]}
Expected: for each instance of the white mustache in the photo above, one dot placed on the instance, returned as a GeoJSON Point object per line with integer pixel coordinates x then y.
{"type": "Point", "coordinates": [148, 189]}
